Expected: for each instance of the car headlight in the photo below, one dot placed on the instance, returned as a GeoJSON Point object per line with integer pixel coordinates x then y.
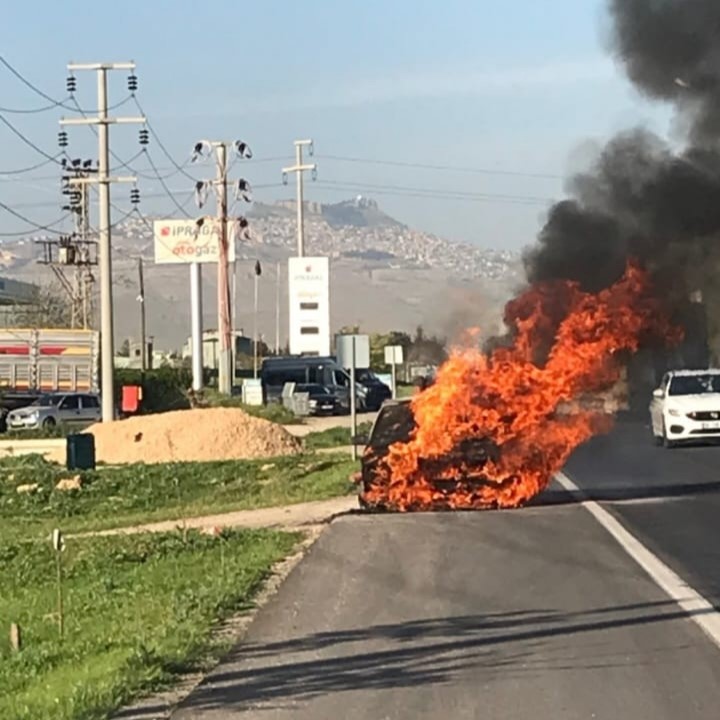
{"type": "Point", "coordinates": [674, 413]}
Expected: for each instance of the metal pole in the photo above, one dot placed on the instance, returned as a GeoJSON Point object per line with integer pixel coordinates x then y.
{"type": "Point", "coordinates": [84, 235]}
{"type": "Point", "coordinates": [196, 341]}
{"type": "Point", "coordinates": [277, 311]}
{"type": "Point", "coordinates": [233, 326]}
{"type": "Point", "coordinates": [300, 213]}
{"type": "Point", "coordinates": [353, 408]}
{"type": "Point", "coordinates": [394, 378]}
{"type": "Point", "coordinates": [141, 300]}
{"type": "Point", "coordinates": [255, 331]}
{"type": "Point", "coordinates": [224, 355]}
{"type": "Point", "coordinates": [106, 299]}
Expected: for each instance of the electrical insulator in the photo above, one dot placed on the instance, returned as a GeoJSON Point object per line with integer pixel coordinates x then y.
{"type": "Point", "coordinates": [243, 149]}
{"type": "Point", "coordinates": [62, 139]}
{"type": "Point", "coordinates": [71, 83]}
{"type": "Point", "coordinates": [135, 196]}
{"type": "Point", "coordinates": [314, 174]}
{"type": "Point", "coordinates": [132, 83]}
{"type": "Point", "coordinates": [200, 193]}
{"type": "Point", "coordinates": [144, 136]}
{"type": "Point", "coordinates": [243, 191]}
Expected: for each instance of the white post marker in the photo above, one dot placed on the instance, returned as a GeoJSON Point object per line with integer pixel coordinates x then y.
{"type": "Point", "coordinates": [353, 404]}
{"type": "Point", "coordinates": [196, 341]}
{"type": "Point", "coordinates": [394, 380]}
{"type": "Point", "coordinates": [393, 357]}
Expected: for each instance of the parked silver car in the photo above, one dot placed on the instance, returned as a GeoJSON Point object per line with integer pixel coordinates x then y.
{"type": "Point", "coordinates": [54, 409]}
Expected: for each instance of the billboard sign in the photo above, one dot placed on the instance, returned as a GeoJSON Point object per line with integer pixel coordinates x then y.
{"type": "Point", "coordinates": [183, 242]}
{"type": "Point", "coordinates": [309, 294]}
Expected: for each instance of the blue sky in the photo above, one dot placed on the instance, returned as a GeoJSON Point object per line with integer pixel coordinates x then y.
{"type": "Point", "coordinates": [524, 87]}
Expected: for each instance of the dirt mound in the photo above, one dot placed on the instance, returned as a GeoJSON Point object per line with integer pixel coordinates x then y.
{"type": "Point", "coordinates": [191, 436]}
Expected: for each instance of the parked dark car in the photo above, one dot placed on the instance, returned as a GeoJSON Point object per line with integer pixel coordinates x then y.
{"type": "Point", "coordinates": [322, 400]}
{"type": "Point", "coordinates": [370, 393]}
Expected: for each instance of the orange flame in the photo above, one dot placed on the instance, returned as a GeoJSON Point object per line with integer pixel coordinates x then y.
{"type": "Point", "coordinates": [492, 430]}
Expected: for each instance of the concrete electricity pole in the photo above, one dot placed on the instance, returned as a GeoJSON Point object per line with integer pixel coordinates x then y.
{"type": "Point", "coordinates": [299, 170]}
{"type": "Point", "coordinates": [141, 300]}
{"type": "Point", "coordinates": [220, 184]}
{"type": "Point", "coordinates": [103, 179]}
{"type": "Point", "coordinates": [225, 369]}
{"type": "Point", "coordinates": [277, 310]}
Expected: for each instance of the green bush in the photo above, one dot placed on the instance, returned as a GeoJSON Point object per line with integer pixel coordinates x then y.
{"type": "Point", "coordinates": [164, 388]}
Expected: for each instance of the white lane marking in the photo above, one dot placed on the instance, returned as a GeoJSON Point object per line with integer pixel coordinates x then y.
{"type": "Point", "coordinates": [700, 610]}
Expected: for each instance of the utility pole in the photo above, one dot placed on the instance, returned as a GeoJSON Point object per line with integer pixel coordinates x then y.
{"type": "Point", "coordinates": [225, 370]}
{"type": "Point", "coordinates": [277, 310]}
{"type": "Point", "coordinates": [225, 359]}
{"type": "Point", "coordinates": [74, 251]}
{"type": "Point", "coordinates": [233, 315]}
{"type": "Point", "coordinates": [103, 179]}
{"type": "Point", "coordinates": [196, 333]}
{"type": "Point", "coordinates": [141, 300]}
{"type": "Point", "coordinates": [299, 170]}
{"type": "Point", "coordinates": [258, 273]}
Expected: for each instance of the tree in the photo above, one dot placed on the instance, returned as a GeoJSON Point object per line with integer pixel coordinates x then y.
{"type": "Point", "coordinates": [124, 350]}
{"type": "Point", "coordinates": [50, 308]}
{"type": "Point", "coordinates": [378, 343]}
{"type": "Point", "coordinates": [427, 350]}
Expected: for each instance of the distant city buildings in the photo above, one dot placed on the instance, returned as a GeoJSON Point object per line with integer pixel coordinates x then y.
{"type": "Point", "coordinates": [391, 244]}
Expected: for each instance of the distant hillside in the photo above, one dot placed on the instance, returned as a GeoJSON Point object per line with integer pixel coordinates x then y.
{"type": "Point", "coordinates": [358, 212]}
{"type": "Point", "coordinates": [385, 275]}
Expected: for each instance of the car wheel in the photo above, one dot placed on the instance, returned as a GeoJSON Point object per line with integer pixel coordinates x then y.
{"type": "Point", "coordinates": [49, 423]}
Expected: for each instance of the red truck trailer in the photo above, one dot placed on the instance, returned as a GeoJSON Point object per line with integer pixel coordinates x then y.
{"type": "Point", "coordinates": [37, 361]}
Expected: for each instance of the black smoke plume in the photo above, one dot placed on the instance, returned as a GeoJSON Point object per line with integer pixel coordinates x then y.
{"type": "Point", "coordinates": [641, 199]}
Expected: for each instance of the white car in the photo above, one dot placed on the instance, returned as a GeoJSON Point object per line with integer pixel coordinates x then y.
{"type": "Point", "coordinates": [686, 407]}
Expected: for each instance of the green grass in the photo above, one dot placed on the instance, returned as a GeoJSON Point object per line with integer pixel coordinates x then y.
{"type": "Point", "coordinates": [133, 494]}
{"type": "Point", "coordinates": [138, 611]}
{"type": "Point", "coordinates": [405, 391]}
{"type": "Point", "coordinates": [59, 432]}
{"type": "Point", "coordinates": [333, 437]}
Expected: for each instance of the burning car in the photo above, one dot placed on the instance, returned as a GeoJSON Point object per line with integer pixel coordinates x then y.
{"type": "Point", "coordinates": [494, 427]}
{"type": "Point", "coordinates": [455, 474]}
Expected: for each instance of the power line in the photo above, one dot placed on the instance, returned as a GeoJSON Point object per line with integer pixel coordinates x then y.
{"type": "Point", "coordinates": [166, 189]}
{"type": "Point", "coordinates": [31, 111]}
{"type": "Point", "coordinates": [54, 103]}
{"type": "Point", "coordinates": [35, 226]}
{"type": "Point", "coordinates": [179, 168]}
{"type": "Point", "coordinates": [20, 171]}
{"type": "Point", "coordinates": [28, 142]}
{"type": "Point", "coordinates": [446, 168]}
{"type": "Point", "coordinates": [432, 194]}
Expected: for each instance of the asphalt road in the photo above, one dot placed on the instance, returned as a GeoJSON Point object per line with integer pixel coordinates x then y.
{"type": "Point", "coordinates": [668, 499]}
{"type": "Point", "coordinates": [535, 614]}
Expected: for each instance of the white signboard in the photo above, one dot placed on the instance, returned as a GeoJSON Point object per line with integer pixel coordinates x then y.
{"type": "Point", "coordinates": [183, 242]}
{"type": "Point", "coordinates": [393, 355]}
{"type": "Point", "coordinates": [344, 349]}
{"type": "Point", "coordinates": [309, 292]}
